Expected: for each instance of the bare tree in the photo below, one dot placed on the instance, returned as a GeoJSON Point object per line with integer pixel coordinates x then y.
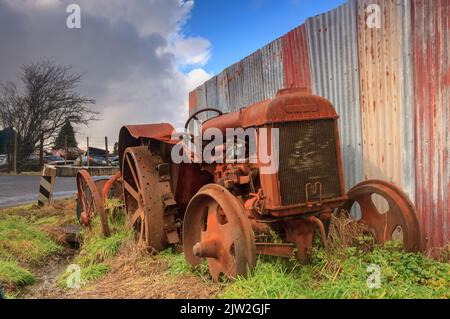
{"type": "Point", "coordinates": [45, 102]}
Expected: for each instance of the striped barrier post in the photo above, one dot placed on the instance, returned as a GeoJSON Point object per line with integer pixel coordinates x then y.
{"type": "Point", "coordinates": [46, 186]}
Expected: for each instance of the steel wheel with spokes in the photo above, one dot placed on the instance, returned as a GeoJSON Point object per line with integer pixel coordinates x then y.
{"type": "Point", "coordinates": [142, 197]}
{"type": "Point", "coordinates": [215, 228]}
{"type": "Point", "coordinates": [89, 201]}
{"type": "Point", "coordinates": [397, 223]}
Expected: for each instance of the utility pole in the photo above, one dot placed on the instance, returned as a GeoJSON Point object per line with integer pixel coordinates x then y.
{"type": "Point", "coordinates": [106, 148]}
{"type": "Point", "coordinates": [87, 153]}
{"type": "Point", "coordinates": [65, 150]}
{"type": "Point", "coordinates": [15, 153]}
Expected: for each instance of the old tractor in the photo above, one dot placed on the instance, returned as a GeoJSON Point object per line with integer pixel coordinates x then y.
{"type": "Point", "coordinates": [225, 212]}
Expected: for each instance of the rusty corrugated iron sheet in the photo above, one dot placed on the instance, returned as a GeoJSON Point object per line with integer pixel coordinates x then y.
{"type": "Point", "coordinates": [387, 112]}
{"type": "Point", "coordinates": [295, 58]}
{"type": "Point", "coordinates": [235, 86]}
{"type": "Point", "coordinates": [223, 98]}
{"type": "Point", "coordinates": [192, 101]}
{"type": "Point", "coordinates": [211, 95]}
{"type": "Point", "coordinates": [431, 38]}
{"type": "Point", "coordinates": [253, 79]}
{"type": "Point", "coordinates": [211, 92]}
{"type": "Point", "coordinates": [201, 101]}
{"type": "Point", "coordinates": [273, 70]}
{"type": "Point", "coordinates": [333, 55]}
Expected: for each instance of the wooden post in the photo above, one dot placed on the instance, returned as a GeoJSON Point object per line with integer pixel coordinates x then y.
{"type": "Point", "coordinates": [65, 150]}
{"type": "Point", "coordinates": [41, 151]}
{"type": "Point", "coordinates": [15, 153]}
{"type": "Point", "coordinates": [87, 153]}
{"type": "Point", "coordinates": [46, 185]}
{"type": "Point", "coordinates": [106, 148]}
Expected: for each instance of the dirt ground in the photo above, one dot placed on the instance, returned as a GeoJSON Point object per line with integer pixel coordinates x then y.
{"type": "Point", "coordinates": [133, 275]}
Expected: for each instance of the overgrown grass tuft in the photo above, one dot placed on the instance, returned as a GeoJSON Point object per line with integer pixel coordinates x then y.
{"type": "Point", "coordinates": [11, 274]}
{"type": "Point", "coordinates": [344, 274]}
{"type": "Point", "coordinates": [23, 242]}
{"type": "Point", "coordinates": [96, 249]}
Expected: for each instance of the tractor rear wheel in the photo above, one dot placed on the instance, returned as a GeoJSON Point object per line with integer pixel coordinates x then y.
{"type": "Point", "coordinates": [397, 220]}
{"type": "Point", "coordinates": [89, 200]}
{"type": "Point", "coordinates": [142, 194]}
{"type": "Point", "coordinates": [215, 228]}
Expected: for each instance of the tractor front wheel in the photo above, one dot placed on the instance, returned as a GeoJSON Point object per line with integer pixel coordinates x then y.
{"type": "Point", "coordinates": [216, 229]}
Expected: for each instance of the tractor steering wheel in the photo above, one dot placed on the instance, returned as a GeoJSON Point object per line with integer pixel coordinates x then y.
{"type": "Point", "coordinates": [194, 116]}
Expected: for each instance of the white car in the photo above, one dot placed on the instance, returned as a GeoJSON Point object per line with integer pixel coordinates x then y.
{"type": "Point", "coordinates": [3, 159]}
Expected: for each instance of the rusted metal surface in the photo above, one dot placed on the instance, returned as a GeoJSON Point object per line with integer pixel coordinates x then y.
{"type": "Point", "coordinates": [216, 228]}
{"type": "Point", "coordinates": [235, 86]}
{"type": "Point", "coordinates": [397, 223]}
{"type": "Point", "coordinates": [90, 201]}
{"type": "Point", "coordinates": [113, 187]}
{"type": "Point", "coordinates": [273, 70]}
{"type": "Point", "coordinates": [223, 98]}
{"type": "Point", "coordinates": [287, 106]}
{"type": "Point", "coordinates": [387, 112]}
{"type": "Point", "coordinates": [333, 55]}
{"type": "Point", "coordinates": [145, 196]}
{"type": "Point", "coordinates": [192, 101]}
{"type": "Point", "coordinates": [252, 79]}
{"type": "Point", "coordinates": [295, 59]}
{"type": "Point", "coordinates": [431, 36]}
{"type": "Point", "coordinates": [274, 249]}
{"type": "Point", "coordinates": [132, 135]}
{"type": "Point", "coordinates": [293, 105]}
{"type": "Point", "coordinates": [211, 95]}
{"type": "Point", "coordinates": [201, 100]}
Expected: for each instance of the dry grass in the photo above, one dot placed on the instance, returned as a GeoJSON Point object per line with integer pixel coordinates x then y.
{"type": "Point", "coordinates": [141, 276]}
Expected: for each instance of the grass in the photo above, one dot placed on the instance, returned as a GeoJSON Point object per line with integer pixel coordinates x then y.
{"type": "Point", "coordinates": [96, 250]}
{"type": "Point", "coordinates": [12, 275]}
{"type": "Point", "coordinates": [22, 242]}
{"type": "Point", "coordinates": [341, 272]}
{"type": "Point", "coordinates": [344, 275]}
{"type": "Point", "coordinates": [25, 242]}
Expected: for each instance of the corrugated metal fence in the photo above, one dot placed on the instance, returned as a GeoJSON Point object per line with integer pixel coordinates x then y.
{"type": "Point", "coordinates": [385, 66]}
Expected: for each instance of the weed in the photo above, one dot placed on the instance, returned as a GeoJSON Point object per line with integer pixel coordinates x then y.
{"type": "Point", "coordinates": [12, 275]}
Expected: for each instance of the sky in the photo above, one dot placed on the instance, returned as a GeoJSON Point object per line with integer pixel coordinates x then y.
{"type": "Point", "coordinates": [140, 58]}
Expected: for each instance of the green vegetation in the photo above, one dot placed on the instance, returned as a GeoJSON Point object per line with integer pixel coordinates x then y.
{"type": "Point", "coordinates": [96, 250]}
{"type": "Point", "coordinates": [11, 274]}
{"type": "Point", "coordinates": [66, 132]}
{"type": "Point", "coordinates": [344, 274]}
{"type": "Point", "coordinates": [23, 242]}
{"type": "Point", "coordinates": [26, 241]}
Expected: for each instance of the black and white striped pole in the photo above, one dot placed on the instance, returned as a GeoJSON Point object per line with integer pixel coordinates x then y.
{"type": "Point", "coordinates": [46, 186]}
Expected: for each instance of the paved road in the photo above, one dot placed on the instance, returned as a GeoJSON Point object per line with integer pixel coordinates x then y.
{"type": "Point", "coordinates": [17, 190]}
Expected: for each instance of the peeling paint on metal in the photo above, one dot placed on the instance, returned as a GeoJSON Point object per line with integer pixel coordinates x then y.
{"type": "Point", "coordinates": [235, 86]}
{"type": "Point", "coordinates": [273, 70]}
{"type": "Point", "coordinates": [333, 54]}
{"type": "Point", "coordinates": [386, 81]}
{"type": "Point", "coordinates": [192, 101]}
{"type": "Point", "coordinates": [295, 58]}
{"type": "Point", "coordinates": [253, 79]}
{"type": "Point", "coordinates": [223, 99]}
{"type": "Point", "coordinates": [431, 39]}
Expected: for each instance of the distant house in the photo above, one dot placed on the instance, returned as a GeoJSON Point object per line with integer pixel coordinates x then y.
{"type": "Point", "coordinates": [6, 140]}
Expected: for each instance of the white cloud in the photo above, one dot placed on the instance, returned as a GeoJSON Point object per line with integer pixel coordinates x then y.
{"type": "Point", "coordinates": [190, 51]}
{"type": "Point", "coordinates": [196, 77]}
{"type": "Point", "coordinates": [132, 54]}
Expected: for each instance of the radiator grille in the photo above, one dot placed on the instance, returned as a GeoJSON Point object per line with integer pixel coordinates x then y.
{"type": "Point", "coordinates": [308, 155]}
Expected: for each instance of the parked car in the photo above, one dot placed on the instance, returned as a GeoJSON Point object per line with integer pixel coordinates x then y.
{"type": "Point", "coordinates": [53, 160]}
{"type": "Point", "coordinates": [114, 161]}
{"type": "Point", "coordinates": [93, 161]}
{"type": "Point", "coordinates": [3, 162]}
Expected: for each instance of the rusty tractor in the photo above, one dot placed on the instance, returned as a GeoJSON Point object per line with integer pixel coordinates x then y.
{"type": "Point", "coordinates": [226, 212]}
